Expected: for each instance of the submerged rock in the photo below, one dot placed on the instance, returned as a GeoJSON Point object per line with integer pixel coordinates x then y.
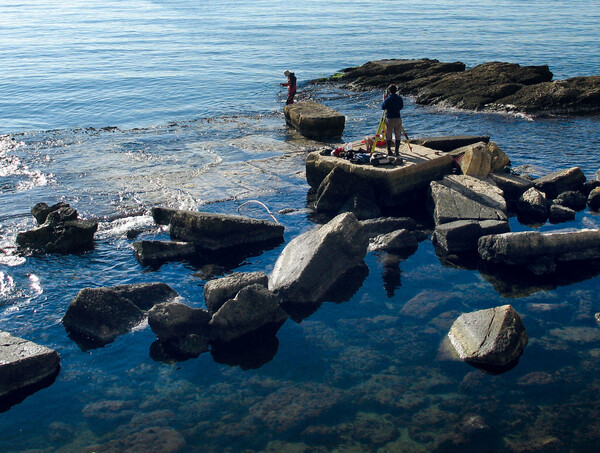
{"type": "Point", "coordinates": [314, 120]}
{"type": "Point", "coordinates": [96, 316]}
{"type": "Point", "coordinates": [493, 338]}
{"type": "Point", "coordinates": [25, 367]}
{"type": "Point", "coordinates": [540, 252]}
{"type": "Point", "coordinates": [312, 262]}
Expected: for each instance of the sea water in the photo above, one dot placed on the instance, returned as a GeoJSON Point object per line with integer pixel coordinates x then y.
{"type": "Point", "coordinates": [116, 107]}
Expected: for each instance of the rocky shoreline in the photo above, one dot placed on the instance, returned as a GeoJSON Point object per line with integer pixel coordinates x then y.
{"type": "Point", "coordinates": [493, 86]}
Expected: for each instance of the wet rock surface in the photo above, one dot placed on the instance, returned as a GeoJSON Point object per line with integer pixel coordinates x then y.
{"type": "Point", "coordinates": [494, 86]}
{"type": "Point", "coordinates": [214, 232]}
{"type": "Point", "coordinates": [25, 367]}
{"type": "Point", "coordinates": [219, 291]}
{"type": "Point", "coordinates": [59, 231]}
{"type": "Point", "coordinates": [96, 316]}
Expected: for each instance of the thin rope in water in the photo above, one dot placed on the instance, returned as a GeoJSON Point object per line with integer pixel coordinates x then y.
{"type": "Point", "coordinates": [260, 203]}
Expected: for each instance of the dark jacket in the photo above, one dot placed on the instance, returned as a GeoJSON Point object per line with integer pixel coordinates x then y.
{"type": "Point", "coordinates": [393, 104]}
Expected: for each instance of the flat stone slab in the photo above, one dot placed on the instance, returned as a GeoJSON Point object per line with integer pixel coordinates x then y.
{"type": "Point", "coordinates": [450, 142]}
{"type": "Point", "coordinates": [460, 197]}
{"type": "Point", "coordinates": [314, 120]}
{"type": "Point", "coordinates": [24, 367]}
{"type": "Point", "coordinates": [391, 183]}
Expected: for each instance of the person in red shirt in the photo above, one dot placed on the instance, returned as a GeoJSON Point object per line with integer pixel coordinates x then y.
{"type": "Point", "coordinates": [291, 84]}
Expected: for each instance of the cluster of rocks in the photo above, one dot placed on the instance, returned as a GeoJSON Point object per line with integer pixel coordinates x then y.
{"type": "Point", "coordinates": [59, 230]}
{"type": "Point", "coordinates": [493, 86]}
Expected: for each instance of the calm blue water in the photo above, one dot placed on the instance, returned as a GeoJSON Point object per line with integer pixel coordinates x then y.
{"type": "Point", "coordinates": [116, 107]}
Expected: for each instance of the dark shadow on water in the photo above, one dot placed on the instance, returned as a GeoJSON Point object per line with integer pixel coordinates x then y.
{"type": "Point", "coordinates": [465, 260]}
{"type": "Point", "coordinates": [85, 342]}
{"type": "Point", "coordinates": [514, 281]}
{"type": "Point", "coordinates": [249, 352]}
{"type": "Point", "coordinates": [342, 290]}
{"type": "Point", "coordinates": [19, 396]}
{"type": "Point", "coordinates": [166, 353]}
{"type": "Point", "coordinates": [494, 369]}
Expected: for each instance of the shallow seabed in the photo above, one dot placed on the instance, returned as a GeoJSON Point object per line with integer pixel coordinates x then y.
{"type": "Point", "coordinates": [366, 374]}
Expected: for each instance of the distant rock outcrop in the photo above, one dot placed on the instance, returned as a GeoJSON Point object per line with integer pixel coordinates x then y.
{"type": "Point", "coordinates": [492, 86]}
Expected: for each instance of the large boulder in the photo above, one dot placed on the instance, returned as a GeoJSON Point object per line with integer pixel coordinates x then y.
{"type": "Point", "coordinates": [220, 290]}
{"type": "Point", "coordinates": [481, 159]}
{"type": "Point", "coordinates": [214, 232]}
{"type": "Point", "coordinates": [24, 368]}
{"type": "Point", "coordinates": [314, 120]}
{"type": "Point", "coordinates": [158, 252]}
{"type": "Point", "coordinates": [253, 308]}
{"type": "Point", "coordinates": [337, 187]}
{"type": "Point", "coordinates": [61, 232]}
{"type": "Point", "coordinates": [181, 330]}
{"type": "Point", "coordinates": [560, 181]}
{"type": "Point", "coordinates": [466, 198]}
{"type": "Point", "coordinates": [96, 316]}
{"type": "Point", "coordinates": [493, 338]}
{"type": "Point", "coordinates": [312, 262]}
{"type": "Point", "coordinates": [572, 199]}
{"type": "Point", "coordinates": [540, 252]}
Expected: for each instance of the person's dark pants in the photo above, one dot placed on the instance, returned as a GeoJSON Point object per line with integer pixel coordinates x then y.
{"type": "Point", "coordinates": [290, 99]}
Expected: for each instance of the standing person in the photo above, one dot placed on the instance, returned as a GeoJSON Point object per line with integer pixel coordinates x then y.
{"type": "Point", "coordinates": [291, 84]}
{"type": "Point", "coordinates": [392, 104]}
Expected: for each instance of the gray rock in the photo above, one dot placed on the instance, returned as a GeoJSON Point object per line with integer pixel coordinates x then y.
{"type": "Point", "coordinates": [24, 367]}
{"type": "Point", "coordinates": [450, 143]}
{"type": "Point", "coordinates": [494, 337]}
{"type": "Point", "coordinates": [572, 199]}
{"type": "Point", "coordinates": [312, 262]}
{"type": "Point", "coordinates": [157, 252]}
{"type": "Point", "coordinates": [96, 316]}
{"type": "Point", "coordinates": [590, 185]}
{"type": "Point", "coordinates": [61, 232]}
{"type": "Point", "coordinates": [466, 198]}
{"type": "Point", "coordinates": [215, 232]}
{"type": "Point", "coordinates": [512, 186]}
{"type": "Point", "coordinates": [314, 120]}
{"type": "Point", "coordinates": [593, 200]}
{"type": "Point", "coordinates": [532, 206]}
{"type": "Point", "coordinates": [540, 252]}
{"type": "Point", "coordinates": [559, 213]}
{"type": "Point", "coordinates": [401, 242]}
{"type": "Point", "coordinates": [560, 181]}
{"type": "Point", "coordinates": [461, 236]}
{"type": "Point", "coordinates": [337, 187]}
{"type": "Point", "coordinates": [181, 329]}
{"type": "Point", "coordinates": [253, 308]}
{"type": "Point", "coordinates": [219, 291]}
{"type": "Point", "coordinates": [383, 225]}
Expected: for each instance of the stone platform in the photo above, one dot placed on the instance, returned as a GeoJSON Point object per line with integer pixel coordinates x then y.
{"type": "Point", "coordinates": [392, 184]}
{"type": "Point", "coordinates": [314, 120]}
